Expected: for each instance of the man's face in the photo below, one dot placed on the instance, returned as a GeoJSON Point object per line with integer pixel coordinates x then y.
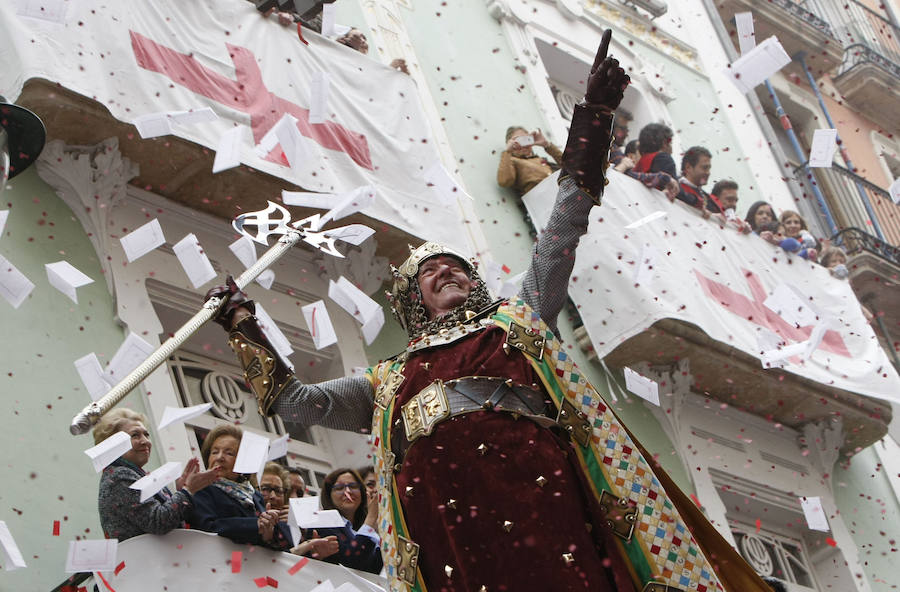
{"type": "Point", "coordinates": [620, 130]}
{"type": "Point", "coordinates": [272, 490]}
{"type": "Point", "coordinates": [699, 173]}
{"type": "Point", "coordinates": [444, 284]}
{"type": "Point", "coordinates": [298, 487]}
{"type": "Point", "coordinates": [729, 198]}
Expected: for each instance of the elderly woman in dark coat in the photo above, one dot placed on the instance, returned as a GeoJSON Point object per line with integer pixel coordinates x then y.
{"type": "Point", "coordinates": [231, 507]}
{"type": "Point", "coordinates": [122, 515]}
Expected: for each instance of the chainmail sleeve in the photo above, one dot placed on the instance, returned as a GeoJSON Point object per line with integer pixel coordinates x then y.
{"type": "Point", "coordinates": [545, 286]}
{"type": "Point", "coordinates": [341, 404]}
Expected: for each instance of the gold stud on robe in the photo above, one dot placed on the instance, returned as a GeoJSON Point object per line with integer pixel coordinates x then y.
{"type": "Point", "coordinates": [482, 448]}
{"type": "Point", "coordinates": [568, 558]}
{"type": "Point", "coordinates": [507, 525]}
{"type": "Point", "coordinates": [541, 481]}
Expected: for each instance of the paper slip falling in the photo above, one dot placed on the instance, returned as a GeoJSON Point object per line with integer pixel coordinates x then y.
{"type": "Point", "coordinates": [228, 151]}
{"type": "Point", "coordinates": [814, 513]}
{"type": "Point", "coordinates": [202, 115]}
{"type": "Point", "coordinates": [894, 191]}
{"type": "Point", "coordinates": [92, 376]}
{"type": "Point", "coordinates": [153, 125]}
{"type": "Point", "coordinates": [194, 260]}
{"type": "Point", "coordinates": [109, 450]}
{"type": "Point", "coordinates": [318, 100]}
{"type": "Point", "coordinates": [152, 483]}
{"type": "Point", "coordinates": [251, 457]}
{"type": "Point", "coordinates": [291, 140]}
{"type": "Point", "coordinates": [95, 555]}
{"type": "Point", "coordinates": [821, 153]}
{"type": "Point", "coordinates": [308, 199]}
{"type": "Point", "coordinates": [352, 299]}
{"type": "Point", "coordinates": [647, 219]}
{"type": "Point", "coordinates": [305, 513]}
{"type": "Point", "coordinates": [4, 214]}
{"type": "Point", "coordinates": [143, 240]}
{"type": "Point", "coordinates": [354, 234]}
{"type": "Point", "coordinates": [11, 558]}
{"type": "Point", "coordinates": [65, 278]}
{"type": "Point", "coordinates": [743, 21]}
{"type": "Point", "coordinates": [756, 65]}
{"type": "Point", "coordinates": [279, 341]}
{"type": "Point", "coordinates": [642, 386]}
{"type": "Point", "coordinates": [351, 202]}
{"type": "Point", "coordinates": [278, 447]}
{"type": "Point", "coordinates": [319, 323]}
{"type": "Point", "coordinates": [786, 303]}
{"type": "Point", "coordinates": [245, 250]}
{"type": "Point", "coordinates": [371, 328]}
{"type": "Point", "coordinates": [14, 286]}
{"type": "Point", "coordinates": [129, 356]}
{"type": "Point", "coordinates": [774, 357]}
{"type": "Point", "coordinates": [173, 415]}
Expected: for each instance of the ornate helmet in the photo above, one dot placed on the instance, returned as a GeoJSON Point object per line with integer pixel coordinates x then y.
{"type": "Point", "coordinates": [406, 298]}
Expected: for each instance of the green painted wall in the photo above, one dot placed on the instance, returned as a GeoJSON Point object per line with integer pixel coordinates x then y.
{"type": "Point", "coordinates": [45, 474]}
{"type": "Point", "coordinates": [871, 511]}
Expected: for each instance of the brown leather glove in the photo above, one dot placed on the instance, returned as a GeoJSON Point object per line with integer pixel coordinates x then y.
{"type": "Point", "coordinates": [233, 298]}
{"type": "Point", "coordinates": [586, 156]}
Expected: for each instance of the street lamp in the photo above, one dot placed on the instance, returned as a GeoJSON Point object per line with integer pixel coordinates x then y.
{"type": "Point", "coordinates": [22, 138]}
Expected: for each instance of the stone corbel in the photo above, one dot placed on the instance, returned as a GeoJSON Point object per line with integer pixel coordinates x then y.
{"type": "Point", "coordinates": [654, 79]}
{"type": "Point", "coordinates": [360, 265]}
{"type": "Point", "coordinates": [571, 9]}
{"type": "Point", "coordinates": [823, 440]}
{"type": "Point", "coordinates": [91, 180]}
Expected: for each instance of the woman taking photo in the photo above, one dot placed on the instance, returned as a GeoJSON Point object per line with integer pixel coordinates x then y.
{"type": "Point", "coordinates": [358, 541]}
{"type": "Point", "coordinates": [122, 515]}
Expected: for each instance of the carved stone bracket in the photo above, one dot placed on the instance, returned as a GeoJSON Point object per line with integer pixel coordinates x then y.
{"type": "Point", "coordinates": [91, 180]}
{"type": "Point", "coordinates": [823, 439]}
{"type": "Point", "coordinates": [360, 265]}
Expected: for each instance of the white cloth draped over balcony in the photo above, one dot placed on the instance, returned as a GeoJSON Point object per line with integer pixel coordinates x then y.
{"type": "Point", "coordinates": [138, 58]}
{"type": "Point", "coordinates": [715, 278]}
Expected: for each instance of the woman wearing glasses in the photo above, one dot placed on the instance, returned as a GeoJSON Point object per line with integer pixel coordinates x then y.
{"type": "Point", "coordinates": [358, 541]}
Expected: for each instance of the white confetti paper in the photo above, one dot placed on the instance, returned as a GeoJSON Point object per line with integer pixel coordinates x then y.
{"type": "Point", "coordinates": [143, 240]}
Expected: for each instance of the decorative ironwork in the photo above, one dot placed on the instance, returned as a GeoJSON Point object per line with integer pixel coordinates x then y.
{"type": "Point", "coordinates": [771, 554]}
{"type": "Point", "coordinates": [854, 241]}
{"type": "Point", "coordinates": [859, 54]}
{"type": "Point", "coordinates": [225, 395]}
{"type": "Point", "coordinates": [803, 12]}
{"type": "Point", "coordinates": [870, 38]}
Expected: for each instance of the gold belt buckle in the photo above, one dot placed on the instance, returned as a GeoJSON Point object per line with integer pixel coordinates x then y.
{"type": "Point", "coordinates": [425, 410]}
{"type": "Point", "coordinates": [619, 514]}
{"type": "Point", "coordinates": [388, 387]}
{"type": "Point", "coordinates": [407, 560]}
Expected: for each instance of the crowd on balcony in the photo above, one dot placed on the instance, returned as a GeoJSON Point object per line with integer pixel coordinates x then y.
{"type": "Point", "coordinates": [648, 159]}
{"type": "Point", "coordinates": [235, 505]}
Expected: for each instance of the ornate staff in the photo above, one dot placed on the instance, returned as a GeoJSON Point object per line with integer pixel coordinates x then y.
{"type": "Point", "coordinates": [307, 230]}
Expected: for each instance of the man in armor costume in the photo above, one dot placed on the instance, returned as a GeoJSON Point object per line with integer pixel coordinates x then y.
{"type": "Point", "coordinates": [499, 466]}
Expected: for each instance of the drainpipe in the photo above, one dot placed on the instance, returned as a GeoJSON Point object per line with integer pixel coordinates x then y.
{"type": "Point", "coordinates": [801, 156]}
{"type": "Point", "coordinates": [845, 155]}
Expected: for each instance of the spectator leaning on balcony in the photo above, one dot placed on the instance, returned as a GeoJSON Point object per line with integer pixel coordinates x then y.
{"type": "Point", "coordinates": [655, 168]}
{"type": "Point", "coordinates": [274, 486]}
{"type": "Point", "coordinates": [297, 484]}
{"type": "Point", "coordinates": [695, 167]}
{"type": "Point", "coordinates": [759, 215]}
{"type": "Point", "coordinates": [520, 168]}
{"type": "Point", "coordinates": [834, 259]}
{"type": "Point", "coordinates": [795, 231]}
{"type": "Point", "coordinates": [723, 201]}
{"type": "Point", "coordinates": [122, 514]}
{"type": "Point", "coordinates": [620, 134]}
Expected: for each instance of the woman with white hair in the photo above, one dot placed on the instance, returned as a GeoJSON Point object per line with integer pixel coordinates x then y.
{"type": "Point", "coordinates": [122, 514]}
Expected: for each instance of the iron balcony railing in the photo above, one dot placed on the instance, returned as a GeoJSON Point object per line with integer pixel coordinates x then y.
{"type": "Point", "coordinates": [854, 241]}
{"type": "Point", "coordinates": [854, 201]}
{"type": "Point", "coordinates": [812, 12]}
{"type": "Point", "coordinates": [868, 38]}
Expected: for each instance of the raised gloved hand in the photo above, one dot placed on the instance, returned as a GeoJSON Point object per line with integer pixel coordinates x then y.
{"type": "Point", "coordinates": [233, 298]}
{"type": "Point", "coordinates": [586, 156]}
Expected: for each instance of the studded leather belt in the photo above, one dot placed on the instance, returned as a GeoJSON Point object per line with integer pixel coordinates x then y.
{"type": "Point", "coordinates": [439, 401]}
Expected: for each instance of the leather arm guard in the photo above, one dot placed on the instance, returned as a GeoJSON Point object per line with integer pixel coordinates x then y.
{"type": "Point", "coordinates": [264, 370]}
{"type": "Point", "coordinates": [586, 156]}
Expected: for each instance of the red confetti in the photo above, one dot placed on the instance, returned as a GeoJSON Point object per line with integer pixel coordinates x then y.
{"type": "Point", "coordinates": [260, 582]}
{"type": "Point", "coordinates": [298, 566]}
{"type": "Point", "coordinates": [236, 558]}
{"type": "Point", "coordinates": [105, 583]}
{"type": "Point", "coordinates": [300, 34]}
{"type": "Point", "coordinates": [272, 581]}
{"type": "Point", "coordinates": [506, 269]}
{"type": "Point", "coordinates": [696, 501]}
{"type": "Point", "coordinates": [56, 528]}
{"type": "Point", "coordinates": [119, 568]}
{"type": "Point", "coordinates": [758, 524]}
{"type": "Point", "coordinates": [831, 541]}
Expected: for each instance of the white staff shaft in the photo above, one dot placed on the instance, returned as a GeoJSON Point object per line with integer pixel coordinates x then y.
{"type": "Point", "coordinates": [91, 414]}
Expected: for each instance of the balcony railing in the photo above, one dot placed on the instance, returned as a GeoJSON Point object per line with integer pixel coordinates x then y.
{"type": "Point", "coordinates": [868, 38]}
{"type": "Point", "coordinates": [809, 11]}
{"type": "Point", "coordinates": [854, 241]}
{"type": "Point", "coordinates": [844, 191]}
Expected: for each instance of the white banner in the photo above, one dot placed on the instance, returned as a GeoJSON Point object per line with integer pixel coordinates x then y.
{"type": "Point", "coordinates": [645, 259]}
{"type": "Point", "coordinates": [141, 58]}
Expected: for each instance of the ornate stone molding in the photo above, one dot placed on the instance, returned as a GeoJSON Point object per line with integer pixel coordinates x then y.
{"type": "Point", "coordinates": [674, 386]}
{"type": "Point", "coordinates": [360, 265]}
{"type": "Point", "coordinates": [823, 441]}
{"type": "Point", "coordinates": [91, 180]}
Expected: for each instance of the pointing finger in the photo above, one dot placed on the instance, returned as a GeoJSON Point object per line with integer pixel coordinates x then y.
{"type": "Point", "coordinates": [602, 50]}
